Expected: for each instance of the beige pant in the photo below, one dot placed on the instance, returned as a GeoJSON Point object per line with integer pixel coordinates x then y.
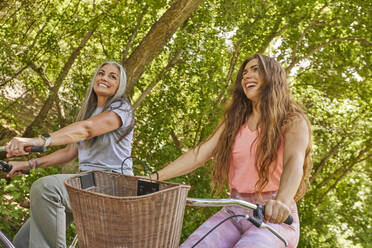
{"type": "Point", "coordinates": [50, 214]}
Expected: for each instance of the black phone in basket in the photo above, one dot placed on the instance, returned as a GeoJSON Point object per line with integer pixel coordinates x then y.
{"type": "Point", "coordinates": [87, 181]}
{"type": "Point", "coordinates": [145, 187]}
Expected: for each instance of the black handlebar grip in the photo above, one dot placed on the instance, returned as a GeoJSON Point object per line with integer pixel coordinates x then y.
{"type": "Point", "coordinates": [5, 167]}
{"type": "Point", "coordinates": [35, 149]}
{"type": "Point", "coordinates": [288, 221]}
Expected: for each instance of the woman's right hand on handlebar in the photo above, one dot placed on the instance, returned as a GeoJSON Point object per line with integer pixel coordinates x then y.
{"type": "Point", "coordinates": [16, 146]}
{"type": "Point", "coordinates": [19, 167]}
{"type": "Point", "coordinates": [276, 211]}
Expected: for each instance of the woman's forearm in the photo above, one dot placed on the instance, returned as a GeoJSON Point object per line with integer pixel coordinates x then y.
{"type": "Point", "coordinates": [181, 166]}
{"type": "Point", "coordinates": [82, 130]}
{"type": "Point", "coordinates": [68, 135]}
{"type": "Point", "coordinates": [192, 159]}
{"type": "Point", "coordinates": [296, 142]}
{"type": "Point", "coordinates": [58, 157]}
{"type": "Point", "coordinates": [290, 180]}
{"type": "Point", "coordinates": [72, 133]}
{"type": "Point", "coordinates": [102, 123]}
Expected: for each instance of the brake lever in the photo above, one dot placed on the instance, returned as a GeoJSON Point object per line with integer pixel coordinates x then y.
{"type": "Point", "coordinates": [273, 231]}
{"type": "Point", "coordinates": [260, 224]}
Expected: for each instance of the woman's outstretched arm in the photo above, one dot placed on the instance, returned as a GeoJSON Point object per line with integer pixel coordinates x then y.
{"type": "Point", "coordinates": [192, 159]}
{"type": "Point", "coordinates": [104, 122]}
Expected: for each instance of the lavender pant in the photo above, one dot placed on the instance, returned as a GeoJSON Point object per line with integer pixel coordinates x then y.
{"type": "Point", "coordinates": [239, 233]}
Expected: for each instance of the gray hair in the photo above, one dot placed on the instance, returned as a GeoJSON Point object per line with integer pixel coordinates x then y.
{"type": "Point", "coordinates": [90, 100]}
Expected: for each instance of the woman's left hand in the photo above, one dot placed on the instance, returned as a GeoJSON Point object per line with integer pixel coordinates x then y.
{"type": "Point", "coordinates": [16, 147]}
{"type": "Point", "coordinates": [276, 211]}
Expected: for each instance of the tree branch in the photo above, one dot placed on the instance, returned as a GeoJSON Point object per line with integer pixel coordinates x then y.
{"type": "Point", "coordinates": [25, 34]}
{"type": "Point", "coordinates": [176, 141]}
{"type": "Point", "coordinates": [13, 102]}
{"type": "Point", "coordinates": [103, 47]}
{"type": "Point", "coordinates": [41, 73]}
{"type": "Point", "coordinates": [133, 35]}
{"type": "Point", "coordinates": [340, 169]}
{"type": "Point", "coordinates": [325, 44]}
{"type": "Point", "coordinates": [54, 91]}
{"type": "Point", "coordinates": [61, 112]}
{"type": "Point", "coordinates": [307, 29]}
{"type": "Point", "coordinates": [324, 161]}
{"type": "Point", "coordinates": [346, 172]}
{"type": "Point", "coordinates": [172, 61]}
{"type": "Point", "coordinates": [334, 149]}
{"type": "Point", "coordinates": [228, 80]}
{"type": "Point", "coordinates": [11, 15]}
{"type": "Point", "coordinates": [274, 33]}
{"type": "Point", "coordinates": [14, 76]}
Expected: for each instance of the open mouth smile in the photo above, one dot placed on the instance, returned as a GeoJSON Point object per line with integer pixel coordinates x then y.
{"type": "Point", "coordinates": [250, 85]}
{"type": "Point", "coordinates": [103, 85]}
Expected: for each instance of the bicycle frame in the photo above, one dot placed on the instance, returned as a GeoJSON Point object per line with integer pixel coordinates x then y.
{"type": "Point", "coordinates": [235, 202]}
{"type": "Point", "coordinates": [5, 241]}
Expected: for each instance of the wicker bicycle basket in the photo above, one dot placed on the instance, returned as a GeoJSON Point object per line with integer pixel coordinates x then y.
{"type": "Point", "coordinates": [111, 214]}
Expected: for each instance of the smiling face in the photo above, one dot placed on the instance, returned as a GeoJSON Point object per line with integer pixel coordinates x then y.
{"type": "Point", "coordinates": [106, 81]}
{"type": "Point", "coordinates": [251, 80]}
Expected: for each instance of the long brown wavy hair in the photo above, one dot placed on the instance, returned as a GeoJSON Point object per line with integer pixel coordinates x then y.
{"type": "Point", "coordinates": [277, 111]}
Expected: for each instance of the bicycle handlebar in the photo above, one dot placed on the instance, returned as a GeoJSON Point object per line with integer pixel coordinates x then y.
{"type": "Point", "coordinates": [5, 167]}
{"type": "Point", "coordinates": [259, 211]}
{"type": "Point", "coordinates": [228, 203]}
{"type": "Point", "coordinates": [28, 149]}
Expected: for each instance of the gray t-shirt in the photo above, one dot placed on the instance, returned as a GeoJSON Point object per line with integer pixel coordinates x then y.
{"type": "Point", "coordinates": [105, 153]}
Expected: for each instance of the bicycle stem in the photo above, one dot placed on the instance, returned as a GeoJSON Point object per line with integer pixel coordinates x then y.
{"type": "Point", "coordinates": [235, 202]}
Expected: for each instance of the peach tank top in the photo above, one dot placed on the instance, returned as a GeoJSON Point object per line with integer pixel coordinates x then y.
{"type": "Point", "coordinates": [243, 174]}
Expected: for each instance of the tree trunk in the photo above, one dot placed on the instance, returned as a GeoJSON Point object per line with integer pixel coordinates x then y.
{"type": "Point", "coordinates": [156, 39]}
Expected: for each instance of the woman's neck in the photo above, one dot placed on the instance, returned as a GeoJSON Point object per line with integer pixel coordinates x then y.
{"type": "Point", "coordinates": [255, 108]}
{"type": "Point", "coordinates": [254, 118]}
{"type": "Point", "coordinates": [101, 101]}
{"type": "Point", "coordinates": [252, 121]}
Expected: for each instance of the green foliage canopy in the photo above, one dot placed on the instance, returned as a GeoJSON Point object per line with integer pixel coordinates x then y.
{"type": "Point", "coordinates": [49, 50]}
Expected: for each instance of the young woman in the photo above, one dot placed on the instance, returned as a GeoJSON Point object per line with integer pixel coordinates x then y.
{"type": "Point", "coordinates": [101, 139]}
{"type": "Point", "coordinates": [261, 151]}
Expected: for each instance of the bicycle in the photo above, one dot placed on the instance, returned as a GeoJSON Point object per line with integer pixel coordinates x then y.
{"type": "Point", "coordinates": [5, 167]}
{"type": "Point", "coordinates": [256, 219]}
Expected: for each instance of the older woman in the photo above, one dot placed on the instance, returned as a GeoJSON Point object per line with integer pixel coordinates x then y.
{"type": "Point", "coordinates": [101, 139]}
